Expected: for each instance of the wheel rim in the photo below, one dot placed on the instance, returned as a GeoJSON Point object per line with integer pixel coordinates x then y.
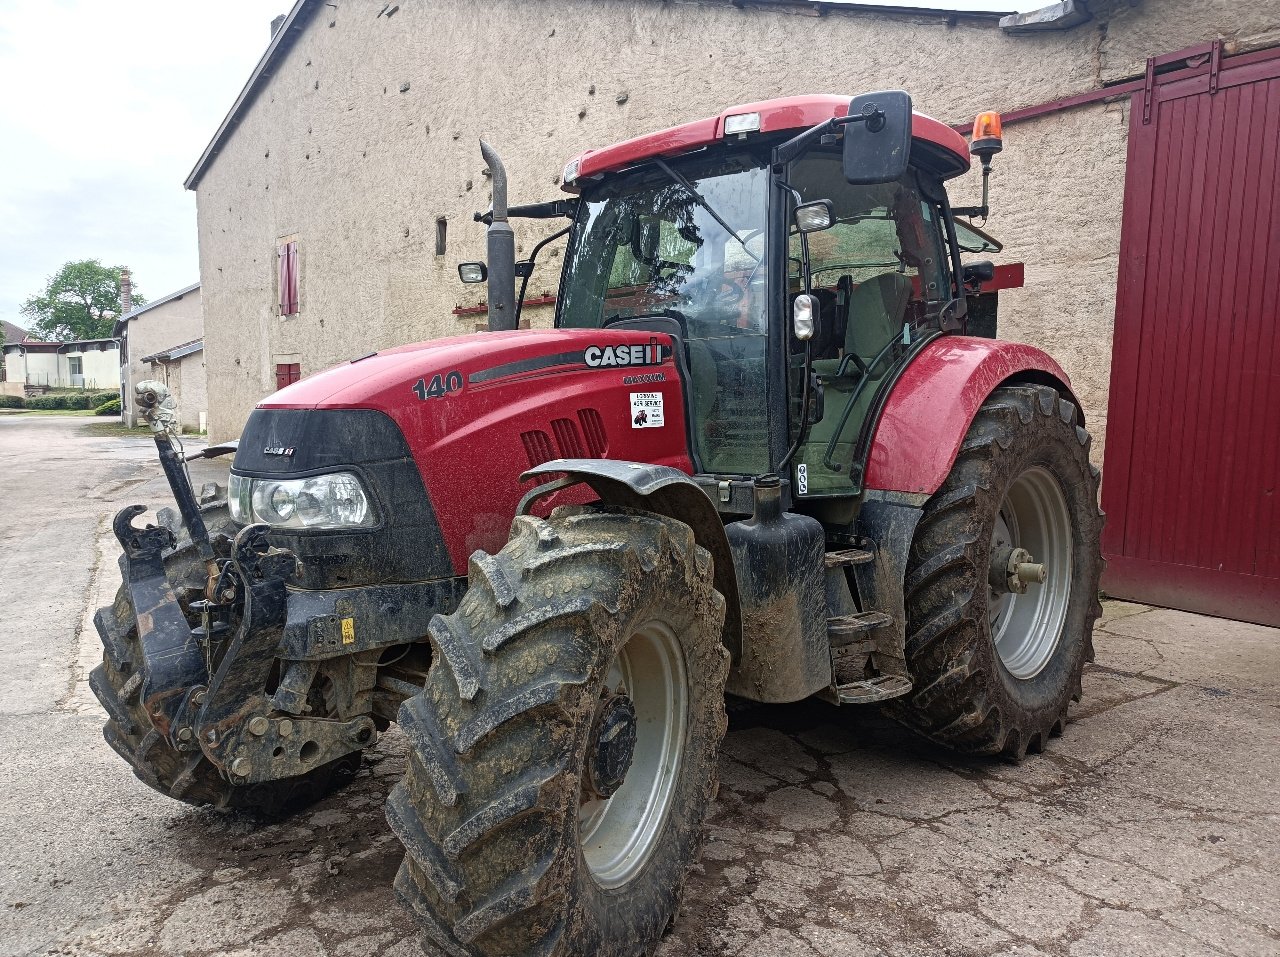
{"type": "Point", "coordinates": [1026, 628]}
{"type": "Point", "coordinates": [618, 834]}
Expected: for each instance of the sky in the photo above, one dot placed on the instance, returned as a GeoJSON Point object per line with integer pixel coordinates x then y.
{"type": "Point", "coordinates": [104, 110]}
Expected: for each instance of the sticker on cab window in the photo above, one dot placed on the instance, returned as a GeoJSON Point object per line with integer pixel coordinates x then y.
{"type": "Point", "coordinates": [646, 410]}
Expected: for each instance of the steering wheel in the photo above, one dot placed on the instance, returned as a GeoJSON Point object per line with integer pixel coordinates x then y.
{"type": "Point", "coordinates": [730, 295]}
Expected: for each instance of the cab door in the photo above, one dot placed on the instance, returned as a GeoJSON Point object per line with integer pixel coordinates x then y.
{"type": "Point", "coordinates": [880, 276]}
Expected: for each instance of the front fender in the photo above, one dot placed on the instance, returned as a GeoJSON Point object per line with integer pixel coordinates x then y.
{"type": "Point", "coordinates": [665, 491]}
{"type": "Point", "coordinates": [932, 404]}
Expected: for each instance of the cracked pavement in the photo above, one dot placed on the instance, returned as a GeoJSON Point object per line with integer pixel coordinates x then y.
{"type": "Point", "coordinates": [1149, 828]}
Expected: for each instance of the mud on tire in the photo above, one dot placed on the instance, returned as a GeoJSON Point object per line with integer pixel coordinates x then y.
{"type": "Point", "coordinates": [186, 775]}
{"type": "Point", "coordinates": [489, 807]}
{"type": "Point", "coordinates": [965, 697]}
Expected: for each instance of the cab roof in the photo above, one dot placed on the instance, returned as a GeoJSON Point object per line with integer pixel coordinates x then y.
{"type": "Point", "coordinates": [944, 150]}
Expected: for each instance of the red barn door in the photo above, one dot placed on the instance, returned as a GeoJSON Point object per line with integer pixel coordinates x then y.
{"type": "Point", "coordinates": [1192, 466]}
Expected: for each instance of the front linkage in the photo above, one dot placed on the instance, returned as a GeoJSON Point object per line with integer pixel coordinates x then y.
{"type": "Point", "coordinates": [205, 687]}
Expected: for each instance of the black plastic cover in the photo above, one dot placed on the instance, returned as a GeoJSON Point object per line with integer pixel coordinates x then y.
{"type": "Point", "coordinates": [405, 546]}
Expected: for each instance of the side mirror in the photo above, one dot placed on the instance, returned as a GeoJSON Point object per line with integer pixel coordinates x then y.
{"type": "Point", "coordinates": [815, 217]}
{"type": "Point", "coordinates": [804, 317]}
{"type": "Point", "coordinates": [473, 272]}
{"type": "Point", "coordinates": [877, 147]}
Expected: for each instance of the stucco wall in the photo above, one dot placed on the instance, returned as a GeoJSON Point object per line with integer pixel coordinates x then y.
{"type": "Point", "coordinates": [367, 131]}
{"type": "Point", "coordinates": [158, 328]}
{"type": "Point", "coordinates": [186, 380]}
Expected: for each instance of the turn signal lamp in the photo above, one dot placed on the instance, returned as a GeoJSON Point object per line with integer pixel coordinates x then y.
{"type": "Point", "coordinates": [986, 135]}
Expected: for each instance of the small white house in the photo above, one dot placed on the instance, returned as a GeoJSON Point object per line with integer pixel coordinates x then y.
{"type": "Point", "coordinates": [83, 364]}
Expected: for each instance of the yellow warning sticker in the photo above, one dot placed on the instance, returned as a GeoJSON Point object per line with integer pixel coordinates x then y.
{"type": "Point", "coordinates": [348, 631]}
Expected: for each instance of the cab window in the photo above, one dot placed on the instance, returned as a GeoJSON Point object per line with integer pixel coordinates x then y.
{"type": "Point", "coordinates": [879, 274]}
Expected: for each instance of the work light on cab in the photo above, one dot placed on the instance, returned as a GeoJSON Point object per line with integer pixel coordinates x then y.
{"type": "Point", "coordinates": [741, 123]}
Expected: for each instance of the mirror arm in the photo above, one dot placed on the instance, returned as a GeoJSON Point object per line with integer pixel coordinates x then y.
{"type": "Point", "coordinates": [786, 152]}
{"type": "Point", "coordinates": [528, 264]}
{"type": "Point", "coordinates": [985, 209]}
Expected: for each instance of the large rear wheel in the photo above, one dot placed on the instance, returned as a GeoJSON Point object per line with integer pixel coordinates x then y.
{"type": "Point", "coordinates": [563, 751]}
{"type": "Point", "coordinates": [1002, 583]}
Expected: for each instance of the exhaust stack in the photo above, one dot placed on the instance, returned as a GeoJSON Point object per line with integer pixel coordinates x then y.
{"type": "Point", "coordinates": [501, 249]}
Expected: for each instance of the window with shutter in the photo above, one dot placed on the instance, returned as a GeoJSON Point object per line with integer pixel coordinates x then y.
{"type": "Point", "coordinates": [287, 273]}
{"type": "Point", "coordinates": [287, 372]}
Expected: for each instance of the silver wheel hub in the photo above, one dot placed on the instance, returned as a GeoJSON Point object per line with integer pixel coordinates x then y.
{"type": "Point", "coordinates": [634, 755]}
{"type": "Point", "coordinates": [1029, 578]}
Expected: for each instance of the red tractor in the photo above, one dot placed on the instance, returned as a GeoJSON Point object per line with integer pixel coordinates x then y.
{"type": "Point", "coordinates": [756, 455]}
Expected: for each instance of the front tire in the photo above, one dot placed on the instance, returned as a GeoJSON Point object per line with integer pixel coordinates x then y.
{"type": "Point", "coordinates": [563, 751]}
{"type": "Point", "coordinates": [995, 670]}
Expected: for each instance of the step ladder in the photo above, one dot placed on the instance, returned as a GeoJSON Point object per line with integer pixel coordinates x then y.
{"type": "Point", "coordinates": [849, 556]}
{"type": "Point", "coordinates": [850, 637]}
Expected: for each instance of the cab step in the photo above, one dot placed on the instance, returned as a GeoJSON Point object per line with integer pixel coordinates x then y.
{"type": "Point", "coordinates": [843, 629]}
{"type": "Point", "coordinates": [871, 690]}
{"type": "Point", "coordinates": [849, 556]}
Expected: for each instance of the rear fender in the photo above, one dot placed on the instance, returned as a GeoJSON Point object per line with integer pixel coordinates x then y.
{"type": "Point", "coordinates": [933, 403]}
{"type": "Point", "coordinates": [664, 491]}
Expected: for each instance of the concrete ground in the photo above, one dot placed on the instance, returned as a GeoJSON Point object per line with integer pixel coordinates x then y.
{"type": "Point", "coordinates": [1152, 827]}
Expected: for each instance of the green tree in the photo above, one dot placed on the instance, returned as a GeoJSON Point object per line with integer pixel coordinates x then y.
{"type": "Point", "coordinates": [80, 301]}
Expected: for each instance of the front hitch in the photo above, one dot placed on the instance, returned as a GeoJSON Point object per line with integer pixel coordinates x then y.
{"type": "Point", "coordinates": [160, 411]}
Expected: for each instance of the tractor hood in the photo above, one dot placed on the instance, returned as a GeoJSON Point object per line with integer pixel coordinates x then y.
{"type": "Point", "coordinates": [475, 412]}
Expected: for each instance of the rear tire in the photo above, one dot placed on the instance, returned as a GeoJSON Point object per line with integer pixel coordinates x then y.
{"type": "Point", "coordinates": [1023, 455]}
{"type": "Point", "coordinates": [506, 852]}
{"type": "Point", "coordinates": [186, 775]}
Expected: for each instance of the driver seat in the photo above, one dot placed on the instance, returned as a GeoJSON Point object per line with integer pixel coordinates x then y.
{"type": "Point", "coordinates": [877, 311]}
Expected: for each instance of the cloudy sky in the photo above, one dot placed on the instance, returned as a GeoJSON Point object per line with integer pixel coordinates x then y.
{"type": "Point", "coordinates": [104, 109]}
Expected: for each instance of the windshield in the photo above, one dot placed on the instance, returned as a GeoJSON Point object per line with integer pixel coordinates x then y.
{"type": "Point", "coordinates": [644, 245]}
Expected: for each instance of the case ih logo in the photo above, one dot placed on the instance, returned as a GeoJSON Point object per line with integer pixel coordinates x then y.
{"type": "Point", "coordinates": [598, 357]}
{"type": "Point", "coordinates": [278, 450]}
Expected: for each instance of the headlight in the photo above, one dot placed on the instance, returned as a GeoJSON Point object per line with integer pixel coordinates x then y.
{"type": "Point", "coordinates": [336, 500]}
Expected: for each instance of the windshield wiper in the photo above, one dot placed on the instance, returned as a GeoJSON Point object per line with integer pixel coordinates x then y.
{"type": "Point", "coordinates": [701, 201]}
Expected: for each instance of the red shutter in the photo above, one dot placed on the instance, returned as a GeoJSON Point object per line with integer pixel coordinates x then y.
{"type": "Point", "coordinates": [293, 278]}
{"type": "Point", "coordinates": [282, 283]}
{"type": "Point", "coordinates": [287, 372]}
{"type": "Point", "coordinates": [287, 273]}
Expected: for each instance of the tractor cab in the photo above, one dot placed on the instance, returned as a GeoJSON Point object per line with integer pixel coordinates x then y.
{"type": "Point", "coordinates": [801, 251]}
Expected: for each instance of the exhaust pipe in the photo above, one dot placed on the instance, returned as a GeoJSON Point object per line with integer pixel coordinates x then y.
{"type": "Point", "coordinates": [501, 250]}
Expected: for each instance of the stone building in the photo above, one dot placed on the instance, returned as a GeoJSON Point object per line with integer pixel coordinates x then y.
{"type": "Point", "coordinates": [181, 368]}
{"type": "Point", "coordinates": [152, 336]}
{"type": "Point", "coordinates": [349, 163]}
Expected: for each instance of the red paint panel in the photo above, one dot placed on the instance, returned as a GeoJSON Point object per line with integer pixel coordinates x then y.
{"type": "Point", "coordinates": [1193, 441]}
{"type": "Point", "coordinates": [930, 408]}
{"type": "Point", "coordinates": [472, 443]}
{"type": "Point", "coordinates": [787, 113]}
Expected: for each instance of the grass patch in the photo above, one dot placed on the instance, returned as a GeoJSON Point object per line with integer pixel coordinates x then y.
{"type": "Point", "coordinates": [113, 430]}
{"type": "Point", "coordinates": [80, 412]}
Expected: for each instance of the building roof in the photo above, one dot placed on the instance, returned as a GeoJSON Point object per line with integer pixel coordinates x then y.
{"type": "Point", "coordinates": [300, 17]}
{"type": "Point", "coordinates": [36, 345]}
{"type": "Point", "coordinates": [171, 297]}
{"type": "Point", "coordinates": [176, 352]}
{"type": "Point", "coordinates": [13, 333]}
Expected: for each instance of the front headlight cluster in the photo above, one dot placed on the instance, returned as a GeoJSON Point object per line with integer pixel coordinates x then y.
{"type": "Point", "coordinates": [336, 500]}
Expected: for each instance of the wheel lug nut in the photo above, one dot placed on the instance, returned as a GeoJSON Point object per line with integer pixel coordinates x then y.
{"type": "Point", "coordinates": [259, 725]}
